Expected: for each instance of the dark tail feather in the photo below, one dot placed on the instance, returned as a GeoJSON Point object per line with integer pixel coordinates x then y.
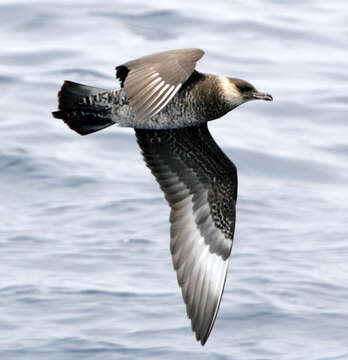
{"type": "Point", "coordinates": [79, 116]}
{"type": "Point", "coordinates": [71, 92]}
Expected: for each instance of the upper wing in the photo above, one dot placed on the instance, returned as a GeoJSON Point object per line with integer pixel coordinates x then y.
{"type": "Point", "coordinates": [152, 81]}
{"type": "Point", "coordinates": [200, 185]}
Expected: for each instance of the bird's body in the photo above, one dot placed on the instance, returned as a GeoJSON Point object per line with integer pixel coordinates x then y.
{"type": "Point", "coordinates": [200, 100]}
{"type": "Point", "coordinates": [169, 104]}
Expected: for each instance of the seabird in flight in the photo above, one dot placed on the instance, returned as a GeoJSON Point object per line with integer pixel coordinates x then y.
{"type": "Point", "coordinates": [168, 103]}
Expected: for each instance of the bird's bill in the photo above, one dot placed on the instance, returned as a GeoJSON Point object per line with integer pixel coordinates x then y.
{"type": "Point", "coordinates": [262, 96]}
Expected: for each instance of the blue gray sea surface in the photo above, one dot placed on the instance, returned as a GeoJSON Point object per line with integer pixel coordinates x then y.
{"type": "Point", "coordinates": [85, 267]}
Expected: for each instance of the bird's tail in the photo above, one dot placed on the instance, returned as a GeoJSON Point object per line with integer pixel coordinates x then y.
{"type": "Point", "coordinates": [81, 109]}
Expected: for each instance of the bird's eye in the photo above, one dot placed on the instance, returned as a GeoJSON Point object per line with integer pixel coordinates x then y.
{"type": "Point", "coordinates": [245, 87]}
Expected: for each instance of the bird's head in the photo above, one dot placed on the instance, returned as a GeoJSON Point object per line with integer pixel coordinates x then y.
{"type": "Point", "coordinates": [237, 92]}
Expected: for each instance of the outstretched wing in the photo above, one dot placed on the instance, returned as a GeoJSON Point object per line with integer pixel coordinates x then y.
{"type": "Point", "coordinates": [200, 185]}
{"type": "Point", "coordinates": [152, 81]}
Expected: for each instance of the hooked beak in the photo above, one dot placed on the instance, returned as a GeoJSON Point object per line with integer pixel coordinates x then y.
{"type": "Point", "coordinates": [262, 96]}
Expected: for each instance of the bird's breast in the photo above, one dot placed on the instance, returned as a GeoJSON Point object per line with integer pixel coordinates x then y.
{"type": "Point", "coordinates": [196, 103]}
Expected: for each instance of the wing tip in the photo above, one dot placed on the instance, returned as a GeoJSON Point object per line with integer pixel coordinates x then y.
{"type": "Point", "coordinates": [201, 53]}
{"type": "Point", "coordinates": [203, 332]}
{"type": "Point", "coordinates": [202, 338]}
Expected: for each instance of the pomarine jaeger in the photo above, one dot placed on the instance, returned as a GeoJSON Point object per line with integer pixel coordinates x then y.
{"type": "Point", "coordinates": [168, 103]}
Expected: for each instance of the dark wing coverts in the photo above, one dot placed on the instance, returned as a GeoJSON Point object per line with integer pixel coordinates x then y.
{"type": "Point", "coordinates": [152, 81]}
{"type": "Point", "coordinates": [200, 185]}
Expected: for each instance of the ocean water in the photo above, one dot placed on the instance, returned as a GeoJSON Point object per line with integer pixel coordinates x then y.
{"type": "Point", "coordinates": [85, 268]}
